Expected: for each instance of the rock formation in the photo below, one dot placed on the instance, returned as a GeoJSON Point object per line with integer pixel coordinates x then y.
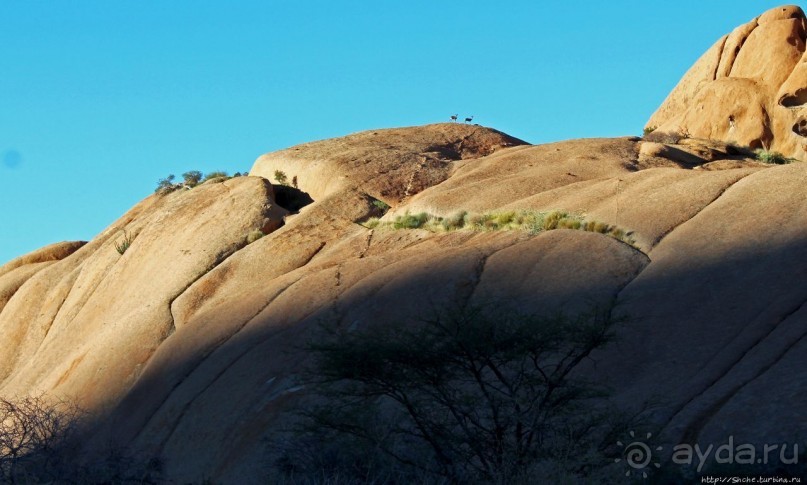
{"type": "Point", "coordinates": [187, 345]}
{"type": "Point", "coordinates": [750, 88]}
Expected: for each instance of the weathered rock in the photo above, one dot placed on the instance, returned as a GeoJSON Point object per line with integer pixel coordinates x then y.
{"type": "Point", "coordinates": [675, 154]}
{"type": "Point", "coordinates": [719, 318]}
{"type": "Point", "coordinates": [390, 165]}
{"type": "Point", "coordinates": [53, 252]}
{"type": "Point", "coordinates": [11, 281]}
{"type": "Point", "coordinates": [749, 88]}
{"type": "Point", "coordinates": [190, 342]}
{"type": "Point", "coordinates": [509, 176]}
{"type": "Point", "coordinates": [188, 345]}
{"type": "Point", "coordinates": [123, 301]}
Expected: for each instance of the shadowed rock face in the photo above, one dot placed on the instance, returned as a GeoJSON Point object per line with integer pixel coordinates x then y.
{"type": "Point", "coordinates": [750, 88]}
{"type": "Point", "coordinates": [188, 343]}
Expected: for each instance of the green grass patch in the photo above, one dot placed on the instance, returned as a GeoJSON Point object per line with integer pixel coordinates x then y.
{"type": "Point", "coordinates": [772, 157]}
{"type": "Point", "coordinates": [411, 221]}
{"type": "Point", "coordinates": [124, 244]}
{"type": "Point", "coordinates": [454, 222]}
{"type": "Point", "coordinates": [533, 222]}
{"type": "Point", "coordinates": [372, 223]}
{"type": "Point", "coordinates": [215, 177]}
{"type": "Point", "coordinates": [381, 205]}
{"type": "Point", "coordinates": [281, 177]}
{"type": "Point", "coordinates": [254, 235]}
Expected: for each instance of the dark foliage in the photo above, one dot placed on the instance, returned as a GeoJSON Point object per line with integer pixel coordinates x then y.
{"type": "Point", "coordinates": [39, 440]}
{"type": "Point", "coordinates": [471, 395]}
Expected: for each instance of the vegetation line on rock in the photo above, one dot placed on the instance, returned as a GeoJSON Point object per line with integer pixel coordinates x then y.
{"type": "Point", "coordinates": [192, 179]}
{"type": "Point", "coordinates": [523, 220]}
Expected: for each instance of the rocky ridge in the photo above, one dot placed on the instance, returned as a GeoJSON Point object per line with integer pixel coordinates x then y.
{"type": "Point", "coordinates": [186, 346]}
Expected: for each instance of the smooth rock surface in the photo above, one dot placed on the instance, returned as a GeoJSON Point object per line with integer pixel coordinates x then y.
{"type": "Point", "coordinates": [750, 88]}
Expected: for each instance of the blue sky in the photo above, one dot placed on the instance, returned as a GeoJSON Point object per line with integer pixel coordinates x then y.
{"type": "Point", "coordinates": [99, 99]}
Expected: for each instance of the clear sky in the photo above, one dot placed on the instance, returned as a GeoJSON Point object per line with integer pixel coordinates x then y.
{"type": "Point", "coordinates": [100, 99]}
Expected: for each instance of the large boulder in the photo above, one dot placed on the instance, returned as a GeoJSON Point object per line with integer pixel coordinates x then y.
{"type": "Point", "coordinates": [83, 327]}
{"type": "Point", "coordinates": [750, 88]}
{"type": "Point", "coordinates": [391, 164]}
